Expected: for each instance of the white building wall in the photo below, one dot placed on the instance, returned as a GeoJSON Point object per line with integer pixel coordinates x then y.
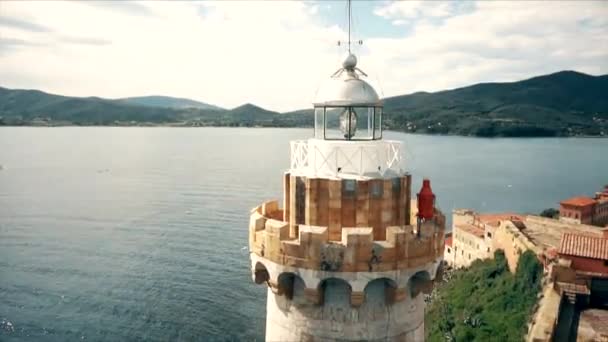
{"type": "Point", "coordinates": [468, 248]}
{"type": "Point", "coordinates": [295, 320]}
{"type": "Point", "coordinates": [299, 319]}
{"type": "Point", "coordinates": [448, 254]}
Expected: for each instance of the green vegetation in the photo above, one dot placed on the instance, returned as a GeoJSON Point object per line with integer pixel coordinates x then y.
{"type": "Point", "coordinates": [485, 302]}
{"type": "Point", "coordinates": [566, 103]}
{"type": "Point", "coordinates": [168, 102]}
{"type": "Point", "coordinates": [550, 213]}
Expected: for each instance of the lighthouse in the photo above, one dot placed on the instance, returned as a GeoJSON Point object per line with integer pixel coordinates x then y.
{"type": "Point", "coordinates": [347, 255]}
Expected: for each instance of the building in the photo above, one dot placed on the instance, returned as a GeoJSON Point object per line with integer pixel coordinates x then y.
{"type": "Point", "coordinates": [575, 260]}
{"type": "Point", "coordinates": [581, 278]}
{"type": "Point", "coordinates": [574, 256]}
{"type": "Point", "coordinates": [342, 259]}
{"type": "Point", "coordinates": [448, 249]}
{"type": "Point", "coordinates": [586, 254]}
{"type": "Point", "coordinates": [586, 210]}
{"type": "Point", "coordinates": [577, 210]}
{"type": "Point", "coordinates": [473, 236]}
{"type": "Point", "coordinates": [601, 208]}
{"type": "Point", "coordinates": [469, 244]}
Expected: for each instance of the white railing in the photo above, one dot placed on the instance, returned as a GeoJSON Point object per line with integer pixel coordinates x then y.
{"type": "Point", "coordinates": [316, 157]}
{"type": "Point", "coordinates": [299, 154]}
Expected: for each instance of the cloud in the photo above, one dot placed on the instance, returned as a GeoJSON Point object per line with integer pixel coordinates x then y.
{"type": "Point", "coordinates": [85, 41]}
{"type": "Point", "coordinates": [271, 53]}
{"type": "Point", "coordinates": [22, 24]}
{"type": "Point", "coordinates": [275, 54]}
{"type": "Point", "coordinates": [127, 7]}
{"type": "Point", "coordinates": [14, 42]}
{"type": "Point", "coordinates": [8, 44]}
{"type": "Point", "coordinates": [417, 9]}
{"type": "Point", "coordinates": [491, 41]}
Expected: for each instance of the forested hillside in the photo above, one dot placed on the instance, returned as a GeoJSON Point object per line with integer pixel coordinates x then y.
{"type": "Point", "coordinates": [566, 103]}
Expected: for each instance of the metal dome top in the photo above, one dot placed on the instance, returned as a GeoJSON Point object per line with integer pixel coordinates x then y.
{"type": "Point", "coordinates": [346, 88]}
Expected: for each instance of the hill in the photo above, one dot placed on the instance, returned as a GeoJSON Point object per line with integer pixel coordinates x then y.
{"type": "Point", "coordinates": [168, 102]}
{"type": "Point", "coordinates": [566, 103]}
{"type": "Point", "coordinates": [32, 106]}
{"type": "Point", "coordinates": [563, 104]}
{"type": "Point", "coordinates": [485, 302]}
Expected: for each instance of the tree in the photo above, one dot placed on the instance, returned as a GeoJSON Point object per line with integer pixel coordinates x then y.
{"type": "Point", "coordinates": [550, 213]}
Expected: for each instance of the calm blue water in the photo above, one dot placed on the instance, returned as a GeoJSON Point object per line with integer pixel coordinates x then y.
{"type": "Point", "coordinates": [133, 234]}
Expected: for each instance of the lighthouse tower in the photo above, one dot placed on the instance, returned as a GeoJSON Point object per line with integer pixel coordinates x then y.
{"type": "Point", "coordinates": [349, 255]}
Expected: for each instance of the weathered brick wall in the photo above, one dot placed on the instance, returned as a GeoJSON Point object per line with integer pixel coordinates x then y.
{"type": "Point", "coordinates": [337, 203]}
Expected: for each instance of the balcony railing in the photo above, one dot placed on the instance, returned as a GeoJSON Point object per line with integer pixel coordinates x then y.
{"type": "Point", "coordinates": [335, 158]}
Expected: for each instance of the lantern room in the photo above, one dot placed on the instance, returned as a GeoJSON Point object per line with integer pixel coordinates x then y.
{"type": "Point", "coordinates": [347, 107]}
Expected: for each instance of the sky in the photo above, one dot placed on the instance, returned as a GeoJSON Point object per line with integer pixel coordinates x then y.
{"type": "Point", "coordinates": [276, 54]}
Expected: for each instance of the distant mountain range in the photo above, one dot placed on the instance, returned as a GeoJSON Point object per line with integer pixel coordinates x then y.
{"type": "Point", "coordinates": [566, 103]}
{"type": "Point", "coordinates": [168, 102]}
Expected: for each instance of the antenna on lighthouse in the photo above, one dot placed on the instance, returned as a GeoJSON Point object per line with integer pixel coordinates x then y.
{"type": "Point", "coordinates": [350, 62]}
{"type": "Point", "coordinates": [350, 16]}
{"type": "Point", "coordinates": [349, 9]}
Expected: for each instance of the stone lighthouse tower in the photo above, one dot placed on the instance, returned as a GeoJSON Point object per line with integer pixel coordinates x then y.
{"type": "Point", "coordinates": [348, 254]}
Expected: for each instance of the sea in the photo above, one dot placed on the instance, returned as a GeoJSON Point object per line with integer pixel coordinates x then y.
{"type": "Point", "coordinates": [140, 234]}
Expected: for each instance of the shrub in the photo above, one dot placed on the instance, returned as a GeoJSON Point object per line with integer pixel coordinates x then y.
{"type": "Point", "coordinates": [485, 302]}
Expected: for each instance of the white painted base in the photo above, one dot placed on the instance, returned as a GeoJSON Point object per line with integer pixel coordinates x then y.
{"type": "Point", "coordinates": [335, 320]}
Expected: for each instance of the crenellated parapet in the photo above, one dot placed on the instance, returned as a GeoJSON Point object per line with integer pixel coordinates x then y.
{"type": "Point", "coordinates": [356, 251]}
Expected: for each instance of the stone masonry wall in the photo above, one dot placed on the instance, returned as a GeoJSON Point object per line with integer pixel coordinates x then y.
{"type": "Point", "coordinates": [357, 250]}
{"type": "Point", "coordinates": [337, 203]}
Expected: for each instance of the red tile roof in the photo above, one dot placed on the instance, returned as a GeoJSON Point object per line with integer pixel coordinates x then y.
{"type": "Point", "coordinates": [448, 240]}
{"type": "Point", "coordinates": [580, 201]}
{"type": "Point", "coordinates": [493, 218]}
{"type": "Point", "coordinates": [471, 229]}
{"type": "Point", "coordinates": [584, 246]}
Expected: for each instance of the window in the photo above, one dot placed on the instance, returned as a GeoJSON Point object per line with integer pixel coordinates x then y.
{"type": "Point", "coordinates": [488, 250]}
{"type": "Point", "coordinates": [489, 235]}
{"type": "Point", "coordinates": [396, 185]}
{"type": "Point", "coordinates": [349, 187]}
{"type": "Point", "coordinates": [449, 250]}
{"type": "Point", "coordinates": [377, 189]}
{"type": "Point", "coordinates": [331, 124]}
{"type": "Point", "coordinates": [319, 121]}
{"type": "Point", "coordinates": [348, 123]}
{"type": "Point", "coordinates": [378, 123]}
{"type": "Point", "coordinates": [300, 200]}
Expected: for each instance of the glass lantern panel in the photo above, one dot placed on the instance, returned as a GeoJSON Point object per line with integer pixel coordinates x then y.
{"type": "Point", "coordinates": [332, 123]}
{"type": "Point", "coordinates": [378, 123]}
{"type": "Point", "coordinates": [365, 123]}
{"type": "Point", "coordinates": [319, 112]}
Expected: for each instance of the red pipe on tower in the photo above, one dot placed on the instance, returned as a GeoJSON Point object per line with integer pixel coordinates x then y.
{"type": "Point", "coordinates": [426, 201]}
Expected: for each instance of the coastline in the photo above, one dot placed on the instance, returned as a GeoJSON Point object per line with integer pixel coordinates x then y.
{"type": "Point", "coordinates": [185, 125]}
